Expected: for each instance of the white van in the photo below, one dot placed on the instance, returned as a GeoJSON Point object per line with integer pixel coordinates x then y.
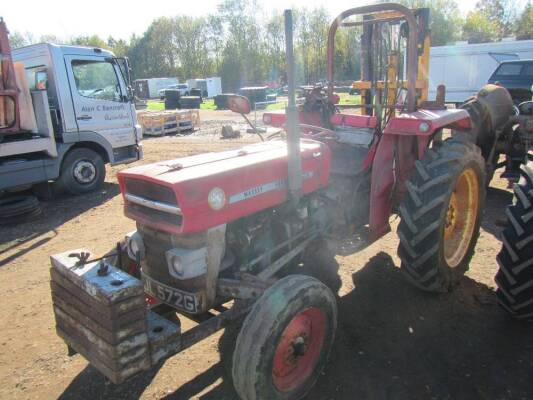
{"type": "Point", "coordinates": [465, 68]}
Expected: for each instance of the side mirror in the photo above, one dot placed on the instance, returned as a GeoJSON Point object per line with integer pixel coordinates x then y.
{"type": "Point", "coordinates": [239, 104]}
{"type": "Point", "coordinates": [41, 80]}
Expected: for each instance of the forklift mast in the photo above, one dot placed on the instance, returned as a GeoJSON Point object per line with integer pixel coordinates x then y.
{"type": "Point", "coordinates": [9, 93]}
{"type": "Point", "coordinates": [395, 43]}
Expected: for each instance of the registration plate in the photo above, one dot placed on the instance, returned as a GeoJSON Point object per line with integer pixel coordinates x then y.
{"type": "Point", "coordinates": [180, 299]}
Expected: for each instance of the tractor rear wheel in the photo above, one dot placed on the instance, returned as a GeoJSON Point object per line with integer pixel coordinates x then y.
{"type": "Point", "coordinates": [441, 215]}
{"type": "Point", "coordinates": [285, 340]}
{"type": "Point", "coordinates": [515, 276]}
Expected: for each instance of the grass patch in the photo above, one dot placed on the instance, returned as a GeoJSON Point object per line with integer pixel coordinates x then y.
{"type": "Point", "coordinates": [345, 99]}
{"type": "Point", "coordinates": [208, 104]}
{"type": "Point", "coordinates": [276, 106]}
{"type": "Point", "coordinates": [348, 99]}
{"type": "Point", "coordinates": [155, 105]}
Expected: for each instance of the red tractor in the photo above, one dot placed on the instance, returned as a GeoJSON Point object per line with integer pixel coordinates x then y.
{"type": "Point", "coordinates": [220, 235]}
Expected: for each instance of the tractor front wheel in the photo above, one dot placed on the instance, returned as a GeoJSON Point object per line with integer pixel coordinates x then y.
{"type": "Point", "coordinates": [441, 215]}
{"type": "Point", "coordinates": [285, 340]}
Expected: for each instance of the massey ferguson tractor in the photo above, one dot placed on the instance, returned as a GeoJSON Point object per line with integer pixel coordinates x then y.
{"type": "Point", "coordinates": [220, 235]}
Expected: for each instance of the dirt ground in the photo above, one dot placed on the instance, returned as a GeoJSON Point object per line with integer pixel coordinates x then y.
{"type": "Point", "coordinates": [393, 342]}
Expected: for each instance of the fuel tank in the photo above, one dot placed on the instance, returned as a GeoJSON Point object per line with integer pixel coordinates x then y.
{"type": "Point", "coordinates": [192, 194]}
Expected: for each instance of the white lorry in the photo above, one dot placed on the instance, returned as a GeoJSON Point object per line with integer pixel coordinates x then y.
{"type": "Point", "coordinates": [84, 117]}
{"type": "Point", "coordinates": [214, 86]}
{"type": "Point", "coordinates": [464, 68]}
{"type": "Point", "coordinates": [149, 88]}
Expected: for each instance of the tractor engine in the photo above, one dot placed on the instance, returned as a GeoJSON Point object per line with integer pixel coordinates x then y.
{"type": "Point", "coordinates": [218, 215]}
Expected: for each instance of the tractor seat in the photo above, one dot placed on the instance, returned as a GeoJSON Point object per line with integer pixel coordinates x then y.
{"type": "Point", "coordinates": [354, 130]}
{"type": "Point", "coordinates": [355, 121]}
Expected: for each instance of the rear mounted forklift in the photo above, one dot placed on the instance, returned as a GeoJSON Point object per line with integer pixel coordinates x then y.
{"type": "Point", "coordinates": [219, 234]}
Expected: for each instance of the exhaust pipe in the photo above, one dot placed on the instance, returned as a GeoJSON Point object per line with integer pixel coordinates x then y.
{"type": "Point", "coordinates": [293, 133]}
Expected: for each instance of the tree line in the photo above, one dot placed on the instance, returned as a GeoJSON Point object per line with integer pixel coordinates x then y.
{"type": "Point", "coordinates": [244, 45]}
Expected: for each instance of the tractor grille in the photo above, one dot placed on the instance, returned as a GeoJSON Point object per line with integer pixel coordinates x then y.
{"type": "Point", "coordinates": [156, 202]}
{"type": "Point", "coordinates": [150, 191]}
{"type": "Point", "coordinates": [156, 216]}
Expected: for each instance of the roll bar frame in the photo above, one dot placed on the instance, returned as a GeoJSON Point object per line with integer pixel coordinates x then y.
{"type": "Point", "coordinates": [412, 64]}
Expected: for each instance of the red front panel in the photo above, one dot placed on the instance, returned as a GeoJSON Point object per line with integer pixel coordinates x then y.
{"type": "Point", "coordinates": [277, 119]}
{"type": "Point", "coordinates": [253, 179]}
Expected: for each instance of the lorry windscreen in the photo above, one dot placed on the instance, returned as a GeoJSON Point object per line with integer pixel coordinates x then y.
{"type": "Point", "coordinates": [96, 79]}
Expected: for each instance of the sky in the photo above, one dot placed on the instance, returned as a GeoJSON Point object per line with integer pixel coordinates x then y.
{"type": "Point", "coordinates": [66, 19]}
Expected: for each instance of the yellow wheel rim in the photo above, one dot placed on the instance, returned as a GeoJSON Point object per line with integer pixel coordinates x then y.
{"type": "Point", "coordinates": [461, 217]}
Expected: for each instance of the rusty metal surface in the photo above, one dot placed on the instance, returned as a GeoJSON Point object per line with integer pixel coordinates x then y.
{"type": "Point", "coordinates": [214, 324]}
{"type": "Point", "coordinates": [101, 315]}
{"type": "Point", "coordinates": [112, 332]}
{"type": "Point", "coordinates": [272, 269]}
{"type": "Point", "coordinates": [216, 244]}
{"type": "Point", "coordinates": [115, 286]}
{"type": "Point", "coordinates": [8, 83]}
{"type": "Point", "coordinates": [108, 323]}
{"type": "Point", "coordinates": [164, 337]}
{"type": "Point", "coordinates": [241, 289]}
{"type": "Point", "coordinates": [62, 287]}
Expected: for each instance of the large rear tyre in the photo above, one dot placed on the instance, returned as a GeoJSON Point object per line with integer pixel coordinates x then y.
{"type": "Point", "coordinates": [82, 171]}
{"type": "Point", "coordinates": [285, 340]}
{"type": "Point", "coordinates": [515, 276]}
{"type": "Point", "coordinates": [441, 215]}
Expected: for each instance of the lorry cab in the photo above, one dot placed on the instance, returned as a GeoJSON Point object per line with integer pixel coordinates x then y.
{"type": "Point", "coordinates": [87, 94]}
{"type": "Point", "coordinates": [89, 105]}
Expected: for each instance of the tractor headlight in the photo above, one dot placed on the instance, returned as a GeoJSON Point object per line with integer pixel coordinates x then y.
{"type": "Point", "coordinates": [186, 263]}
{"type": "Point", "coordinates": [216, 198]}
{"type": "Point", "coordinates": [176, 266]}
{"type": "Point", "coordinates": [135, 245]}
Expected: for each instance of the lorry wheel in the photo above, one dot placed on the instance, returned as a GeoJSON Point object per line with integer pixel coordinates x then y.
{"type": "Point", "coordinates": [515, 276]}
{"type": "Point", "coordinates": [441, 214]}
{"type": "Point", "coordinates": [82, 171]}
{"type": "Point", "coordinates": [285, 340]}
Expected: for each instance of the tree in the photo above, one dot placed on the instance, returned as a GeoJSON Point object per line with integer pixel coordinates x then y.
{"type": "Point", "coordinates": [445, 20]}
{"type": "Point", "coordinates": [50, 39]}
{"type": "Point", "coordinates": [17, 39]}
{"type": "Point", "coordinates": [154, 54]}
{"type": "Point", "coordinates": [479, 29]}
{"type": "Point", "coordinates": [275, 49]}
{"type": "Point", "coordinates": [502, 14]}
{"type": "Point", "coordinates": [189, 37]}
{"type": "Point", "coordinates": [90, 41]}
{"type": "Point", "coordinates": [524, 25]}
{"type": "Point", "coordinates": [119, 47]}
{"type": "Point", "coordinates": [243, 58]}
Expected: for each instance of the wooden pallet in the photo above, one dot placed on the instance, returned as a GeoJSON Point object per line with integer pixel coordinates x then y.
{"type": "Point", "coordinates": [159, 123]}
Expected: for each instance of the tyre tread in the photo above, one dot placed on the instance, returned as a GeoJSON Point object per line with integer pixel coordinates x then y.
{"type": "Point", "coordinates": [514, 279]}
{"type": "Point", "coordinates": [422, 212]}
